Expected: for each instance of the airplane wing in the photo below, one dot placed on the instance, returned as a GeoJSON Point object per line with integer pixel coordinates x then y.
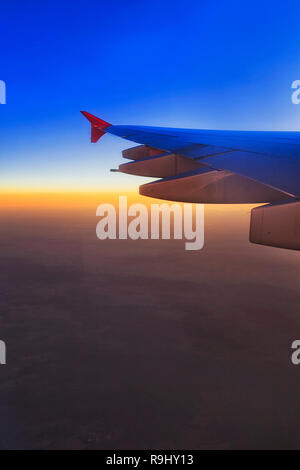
{"type": "Point", "coordinates": [213, 166]}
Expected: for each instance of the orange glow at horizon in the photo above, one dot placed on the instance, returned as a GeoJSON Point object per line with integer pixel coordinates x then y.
{"type": "Point", "coordinates": [219, 214]}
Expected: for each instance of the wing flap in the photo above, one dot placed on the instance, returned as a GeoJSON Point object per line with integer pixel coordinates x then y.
{"type": "Point", "coordinates": [160, 166]}
{"type": "Point", "coordinates": [206, 185]}
{"type": "Point", "coordinates": [141, 151]}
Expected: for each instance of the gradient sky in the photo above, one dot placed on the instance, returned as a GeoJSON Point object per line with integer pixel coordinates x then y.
{"type": "Point", "coordinates": [197, 64]}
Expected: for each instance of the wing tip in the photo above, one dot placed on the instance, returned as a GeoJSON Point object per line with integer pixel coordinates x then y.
{"type": "Point", "coordinates": [98, 126]}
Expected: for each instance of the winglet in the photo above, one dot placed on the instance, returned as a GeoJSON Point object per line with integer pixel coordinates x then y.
{"type": "Point", "coordinates": [98, 126]}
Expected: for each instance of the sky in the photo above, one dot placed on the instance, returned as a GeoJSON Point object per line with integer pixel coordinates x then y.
{"type": "Point", "coordinates": [194, 64]}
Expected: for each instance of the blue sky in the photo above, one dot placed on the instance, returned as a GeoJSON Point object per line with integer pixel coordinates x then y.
{"type": "Point", "coordinates": [219, 65]}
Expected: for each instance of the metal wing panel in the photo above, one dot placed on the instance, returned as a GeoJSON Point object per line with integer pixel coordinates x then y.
{"type": "Point", "coordinates": [283, 144]}
{"type": "Point", "coordinates": [280, 173]}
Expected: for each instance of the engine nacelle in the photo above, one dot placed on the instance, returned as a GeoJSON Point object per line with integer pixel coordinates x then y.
{"type": "Point", "coordinates": [276, 225]}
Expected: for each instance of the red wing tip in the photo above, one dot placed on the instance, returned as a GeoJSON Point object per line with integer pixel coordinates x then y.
{"type": "Point", "coordinates": [98, 126]}
{"type": "Point", "coordinates": [94, 120]}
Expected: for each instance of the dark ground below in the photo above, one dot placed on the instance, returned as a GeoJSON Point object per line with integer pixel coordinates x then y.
{"type": "Point", "coordinates": [142, 345]}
